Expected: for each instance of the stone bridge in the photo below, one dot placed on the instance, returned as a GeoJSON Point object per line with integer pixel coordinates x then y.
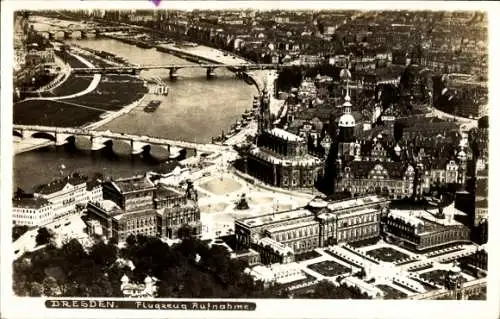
{"type": "Point", "coordinates": [80, 32]}
{"type": "Point", "coordinates": [102, 139]}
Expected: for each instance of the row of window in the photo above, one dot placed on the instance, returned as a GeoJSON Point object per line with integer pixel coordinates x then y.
{"type": "Point", "coordinates": [301, 245]}
{"type": "Point", "coordinates": [32, 210]}
{"type": "Point", "coordinates": [180, 221]}
{"type": "Point", "coordinates": [359, 220]}
{"type": "Point", "coordinates": [357, 232]}
{"type": "Point", "coordinates": [296, 233]}
{"type": "Point", "coordinates": [23, 216]}
{"type": "Point", "coordinates": [136, 223]}
{"type": "Point", "coordinates": [146, 232]}
{"type": "Point", "coordinates": [443, 237]}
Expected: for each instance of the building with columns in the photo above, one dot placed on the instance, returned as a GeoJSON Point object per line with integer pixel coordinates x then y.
{"type": "Point", "coordinates": [424, 229]}
{"type": "Point", "coordinates": [321, 223]}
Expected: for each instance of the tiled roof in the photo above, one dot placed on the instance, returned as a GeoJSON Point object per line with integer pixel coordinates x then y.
{"type": "Point", "coordinates": [30, 202]}
{"type": "Point", "coordinates": [361, 169]}
{"type": "Point", "coordinates": [132, 184]}
{"type": "Point", "coordinates": [285, 135]}
{"type": "Point", "coordinates": [57, 185]}
{"type": "Point", "coordinates": [92, 184]}
{"type": "Point", "coordinates": [164, 192]}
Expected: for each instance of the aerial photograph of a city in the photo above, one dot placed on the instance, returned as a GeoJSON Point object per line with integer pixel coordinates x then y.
{"type": "Point", "coordinates": [248, 154]}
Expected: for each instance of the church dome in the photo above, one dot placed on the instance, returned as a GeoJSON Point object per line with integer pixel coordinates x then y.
{"type": "Point", "coordinates": [347, 120]}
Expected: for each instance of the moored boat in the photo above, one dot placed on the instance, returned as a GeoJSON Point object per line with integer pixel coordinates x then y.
{"type": "Point", "coordinates": [152, 106]}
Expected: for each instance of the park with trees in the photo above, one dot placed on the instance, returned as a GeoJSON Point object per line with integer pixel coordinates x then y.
{"type": "Point", "coordinates": [188, 269]}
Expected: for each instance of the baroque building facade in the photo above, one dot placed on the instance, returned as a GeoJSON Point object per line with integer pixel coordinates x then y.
{"type": "Point", "coordinates": [278, 157]}
{"type": "Point", "coordinates": [321, 223]}
{"type": "Point", "coordinates": [135, 206]}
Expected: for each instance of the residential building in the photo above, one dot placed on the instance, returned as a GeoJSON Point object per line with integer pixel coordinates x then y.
{"type": "Point", "coordinates": [65, 194]}
{"type": "Point", "coordinates": [31, 211]}
{"type": "Point", "coordinates": [94, 191]}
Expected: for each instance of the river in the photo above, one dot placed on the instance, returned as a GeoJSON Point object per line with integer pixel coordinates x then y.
{"type": "Point", "coordinates": [195, 109]}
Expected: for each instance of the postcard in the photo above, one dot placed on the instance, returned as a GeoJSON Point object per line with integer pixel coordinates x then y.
{"type": "Point", "coordinates": [250, 159]}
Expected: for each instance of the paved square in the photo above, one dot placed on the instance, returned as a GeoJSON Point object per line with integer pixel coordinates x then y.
{"type": "Point", "coordinates": [387, 254]}
{"type": "Point", "coordinates": [329, 268]}
{"type": "Point", "coordinates": [221, 186]}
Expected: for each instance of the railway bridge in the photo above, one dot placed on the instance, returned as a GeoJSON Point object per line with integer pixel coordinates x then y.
{"type": "Point", "coordinates": [174, 68]}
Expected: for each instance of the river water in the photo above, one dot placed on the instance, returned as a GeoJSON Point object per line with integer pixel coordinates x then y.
{"type": "Point", "coordinates": [195, 109]}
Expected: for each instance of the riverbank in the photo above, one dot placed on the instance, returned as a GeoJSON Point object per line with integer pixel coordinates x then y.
{"type": "Point", "coordinates": [197, 54]}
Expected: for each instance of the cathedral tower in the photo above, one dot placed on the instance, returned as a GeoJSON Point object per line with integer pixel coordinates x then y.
{"type": "Point", "coordinates": [264, 117]}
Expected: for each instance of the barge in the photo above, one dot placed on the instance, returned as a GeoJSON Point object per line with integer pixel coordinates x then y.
{"type": "Point", "coordinates": [152, 106]}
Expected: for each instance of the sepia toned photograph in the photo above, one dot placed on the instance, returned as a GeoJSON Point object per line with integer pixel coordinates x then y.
{"type": "Point", "coordinates": [249, 154]}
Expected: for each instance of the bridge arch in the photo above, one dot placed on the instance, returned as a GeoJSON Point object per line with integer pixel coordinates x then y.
{"type": "Point", "coordinates": [17, 133]}
{"type": "Point", "coordinates": [44, 135]}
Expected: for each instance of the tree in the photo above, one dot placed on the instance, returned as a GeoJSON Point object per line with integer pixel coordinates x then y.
{"type": "Point", "coordinates": [43, 236]}
{"type": "Point", "coordinates": [185, 231]}
{"type": "Point", "coordinates": [18, 231]}
{"type": "Point", "coordinates": [50, 287]}
{"type": "Point", "coordinates": [104, 254]}
{"type": "Point", "coordinates": [36, 289]}
{"type": "Point", "coordinates": [327, 290]}
{"type": "Point", "coordinates": [131, 240]}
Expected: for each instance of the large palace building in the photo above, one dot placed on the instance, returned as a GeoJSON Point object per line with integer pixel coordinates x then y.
{"type": "Point", "coordinates": [135, 206]}
{"type": "Point", "coordinates": [321, 223]}
{"type": "Point", "coordinates": [395, 169]}
{"type": "Point", "coordinates": [423, 230]}
{"type": "Point", "coordinates": [278, 157]}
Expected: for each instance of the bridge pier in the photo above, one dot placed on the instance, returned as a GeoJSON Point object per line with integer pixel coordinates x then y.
{"type": "Point", "coordinates": [61, 139]}
{"type": "Point", "coordinates": [173, 73]}
{"type": "Point", "coordinates": [210, 72]}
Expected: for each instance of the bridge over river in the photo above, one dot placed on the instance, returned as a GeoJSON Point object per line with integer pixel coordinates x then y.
{"type": "Point", "coordinates": [101, 139]}
{"type": "Point", "coordinates": [239, 68]}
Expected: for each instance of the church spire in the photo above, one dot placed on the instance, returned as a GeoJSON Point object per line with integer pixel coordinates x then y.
{"type": "Point", "coordinates": [345, 76]}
